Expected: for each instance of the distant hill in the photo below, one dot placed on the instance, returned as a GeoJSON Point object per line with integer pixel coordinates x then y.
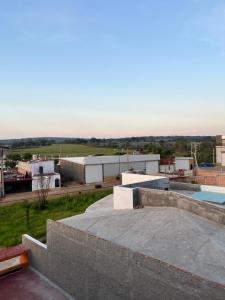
{"type": "Point", "coordinates": [109, 142]}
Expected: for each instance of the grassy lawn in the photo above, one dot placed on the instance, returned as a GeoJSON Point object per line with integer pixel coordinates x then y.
{"type": "Point", "coordinates": [66, 149]}
{"type": "Point", "coordinates": [13, 221]}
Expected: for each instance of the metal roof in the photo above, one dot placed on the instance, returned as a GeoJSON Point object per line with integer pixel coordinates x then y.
{"type": "Point", "coordinates": [93, 160]}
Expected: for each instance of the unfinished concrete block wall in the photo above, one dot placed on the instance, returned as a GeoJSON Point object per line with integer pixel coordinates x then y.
{"type": "Point", "coordinates": [88, 267]}
{"type": "Point", "coordinates": [126, 196]}
{"type": "Point", "coordinates": [158, 198]}
{"type": "Point", "coordinates": [38, 254]}
{"type": "Point", "coordinates": [185, 186]}
{"type": "Point", "coordinates": [72, 171]}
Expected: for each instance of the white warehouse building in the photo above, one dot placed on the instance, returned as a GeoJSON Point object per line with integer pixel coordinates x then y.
{"type": "Point", "coordinates": [92, 169]}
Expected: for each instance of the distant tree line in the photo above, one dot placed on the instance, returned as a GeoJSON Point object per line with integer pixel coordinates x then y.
{"type": "Point", "coordinates": [13, 158]}
{"type": "Point", "coordinates": [164, 145]}
{"type": "Point", "coordinates": [28, 143]}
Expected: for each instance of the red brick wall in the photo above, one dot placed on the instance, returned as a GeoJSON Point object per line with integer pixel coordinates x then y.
{"type": "Point", "coordinates": [206, 177]}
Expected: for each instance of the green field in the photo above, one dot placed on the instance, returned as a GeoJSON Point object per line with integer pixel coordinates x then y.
{"type": "Point", "coordinates": [66, 150]}
{"type": "Point", "coordinates": [14, 223]}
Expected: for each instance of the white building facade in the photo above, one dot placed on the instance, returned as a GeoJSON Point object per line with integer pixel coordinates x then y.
{"type": "Point", "coordinates": [184, 163]}
{"type": "Point", "coordinates": [42, 173]}
{"type": "Point", "coordinates": [220, 150]}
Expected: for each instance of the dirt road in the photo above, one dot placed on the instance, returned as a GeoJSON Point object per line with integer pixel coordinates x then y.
{"type": "Point", "coordinates": [71, 189]}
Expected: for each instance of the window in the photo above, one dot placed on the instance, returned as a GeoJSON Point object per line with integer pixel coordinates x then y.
{"type": "Point", "coordinates": [41, 170]}
{"type": "Point", "coordinates": [57, 182]}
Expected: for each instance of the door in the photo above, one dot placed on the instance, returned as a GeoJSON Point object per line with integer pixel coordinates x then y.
{"type": "Point", "coordinates": [93, 173]}
{"type": "Point", "coordinates": [152, 167]}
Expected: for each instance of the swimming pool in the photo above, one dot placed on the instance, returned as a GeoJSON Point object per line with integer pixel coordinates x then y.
{"type": "Point", "coordinates": [214, 197]}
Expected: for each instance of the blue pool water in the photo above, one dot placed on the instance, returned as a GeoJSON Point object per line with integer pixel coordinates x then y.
{"type": "Point", "coordinates": [218, 198]}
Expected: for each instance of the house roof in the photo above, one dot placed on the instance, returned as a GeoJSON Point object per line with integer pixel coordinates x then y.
{"type": "Point", "coordinates": [171, 235]}
{"type": "Point", "coordinates": [92, 160]}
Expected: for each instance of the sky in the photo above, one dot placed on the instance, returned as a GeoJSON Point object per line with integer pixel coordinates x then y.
{"type": "Point", "coordinates": [97, 68]}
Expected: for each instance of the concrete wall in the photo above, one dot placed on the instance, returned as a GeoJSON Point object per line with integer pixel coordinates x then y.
{"type": "Point", "coordinates": [196, 187]}
{"type": "Point", "coordinates": [183, 163]}
{"type": "Point", "coordinates": [172, 199]}
{"type": "Point", "coordinates": [126, 196]}
{"type": "Point", "coordinates": [72, 171]}
{"type": "Point", "coordinates": [90, 268]}
{"type": "Point", "coordinates": [38, 254]}
{"type": "Point", "coordinates": [185, 186]}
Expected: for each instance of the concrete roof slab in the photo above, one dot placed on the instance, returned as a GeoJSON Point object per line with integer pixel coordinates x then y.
{"type": "Point", "coordinates": [174, 236]}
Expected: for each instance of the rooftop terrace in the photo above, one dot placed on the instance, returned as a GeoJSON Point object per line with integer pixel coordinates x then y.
{"type": "Point", "coordinates": [172, 235]}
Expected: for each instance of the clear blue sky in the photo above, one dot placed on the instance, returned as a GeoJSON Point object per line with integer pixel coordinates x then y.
{"type": "Point", "coordinates": [112, 67]}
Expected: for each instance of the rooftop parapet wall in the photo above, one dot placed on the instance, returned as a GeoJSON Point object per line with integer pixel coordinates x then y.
{"type": "Point", "coordinates": [89, 267]}
{"type": "Point", "coordinates": [185, 186]}
{"type": "Point", "coordinates": [147, 197]}
{"type": "Point", "coordinates": [196, 187]}
{"type": "Point", "coordinates": [152, 193]}
{"type": "Point", "coordinates": [126, 196]}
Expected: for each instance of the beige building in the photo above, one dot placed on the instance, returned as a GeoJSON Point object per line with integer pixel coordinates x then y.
{"type": "Point", "coordinates": [220, 150]}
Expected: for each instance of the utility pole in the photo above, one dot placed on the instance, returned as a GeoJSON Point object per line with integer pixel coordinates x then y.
{"type": "Point", "coordinates": [196, 161]}
{"type": "Point", "coordinates": [2, 174]}
{"type": "Point", "coordinates": [119, 164]}
{"type": "Point", "coordinates": [194, 153]}
{"type": "Point", "coordinates": [128, 163]}
{"type": "Point", "coordinates": [213, 156]}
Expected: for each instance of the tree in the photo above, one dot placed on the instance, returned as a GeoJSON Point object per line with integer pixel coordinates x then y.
{"type": "Point", "coordinates": [10, 164]}
{"type": "Point", "coordinates": [27, 156]}
{"type": "Point", "coordinates": [14, 157]}
{"type": "Point", "coordinates": [205, 151]}
{"type": "Point", "coordinates": [182, 147]}
{"type": "Point", "coordinates": [43, 187]}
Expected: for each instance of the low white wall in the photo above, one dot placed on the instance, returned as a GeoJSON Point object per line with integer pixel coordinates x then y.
{"type": "Point", "coordinates": [129, 178]}
{"type": "Point", "coordinates": [214, 189]}
{"type": "Point", "coordinates": [125, 195]}
{"type": "Point", "coordinates": [123, 198]}
{"type": "Point", "coordinates": [167, 168]}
